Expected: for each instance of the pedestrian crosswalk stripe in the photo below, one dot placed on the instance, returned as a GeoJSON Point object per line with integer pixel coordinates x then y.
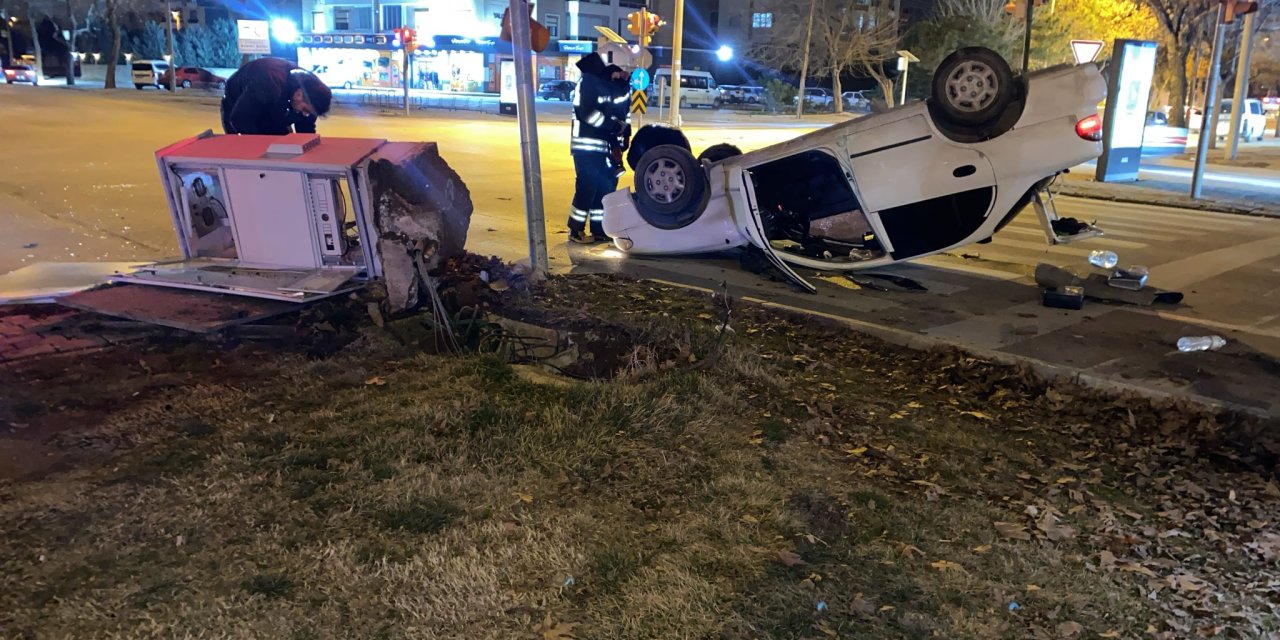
{"type": "Point", "coordinates": [1106, 207]}
{"type": "Point", "coordinates": [1119, 230]}
{"type": "Point", "coordinates": [1109, 239]}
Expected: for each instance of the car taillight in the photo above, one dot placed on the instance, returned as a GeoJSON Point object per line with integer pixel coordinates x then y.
{"type": "Point", "coordinates": [1090, 128]}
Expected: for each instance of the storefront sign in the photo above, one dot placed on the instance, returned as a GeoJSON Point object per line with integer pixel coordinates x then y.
{"type": "Point", "coordinates": [438, 43]}
{"type": "Point", "coordinates": [577, 46]}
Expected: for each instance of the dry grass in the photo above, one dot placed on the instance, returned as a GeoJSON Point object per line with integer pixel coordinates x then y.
{"type": "Point", "coordinates": [460, 500]}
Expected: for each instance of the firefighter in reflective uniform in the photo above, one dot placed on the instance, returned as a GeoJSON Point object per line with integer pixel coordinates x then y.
{"type": "Point", "coordinates": [601, 132]}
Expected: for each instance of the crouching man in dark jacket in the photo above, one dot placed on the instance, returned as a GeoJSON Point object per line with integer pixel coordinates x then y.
{"type": "Point", "coordinates": [601, 132]}
{"type": "Point", "coordinates": [272, 96]}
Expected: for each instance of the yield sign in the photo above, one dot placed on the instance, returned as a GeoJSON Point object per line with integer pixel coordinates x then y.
{"type": "Point", "coordinates": [1086, 50]}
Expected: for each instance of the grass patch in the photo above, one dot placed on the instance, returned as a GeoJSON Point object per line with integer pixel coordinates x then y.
{"type": "Point", "coordinates": [753, 498]}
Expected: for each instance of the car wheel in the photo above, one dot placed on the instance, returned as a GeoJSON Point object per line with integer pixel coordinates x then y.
{"type": "Point", "coordinates": [671, 187]}
{"type": "Point", "coordinates": [651, 136]}
{"type": "Point", "coordinates": [221, 86]}
{"type": "Point", "coordinates": [973, 87]}
{"type": "Point", "coordinates": [186, 84]}
{"type": "Point", "coordinates": [140, 87]}
{"type": "Point", "coordinates": [718, 152]}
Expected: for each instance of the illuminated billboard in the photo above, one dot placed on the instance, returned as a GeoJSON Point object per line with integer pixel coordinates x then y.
{"type": "Point", "coordinates": [1132, 68]}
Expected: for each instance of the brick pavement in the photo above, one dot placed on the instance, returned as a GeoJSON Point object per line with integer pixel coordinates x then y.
{"type": "Point", "coordinates": [39, 330]}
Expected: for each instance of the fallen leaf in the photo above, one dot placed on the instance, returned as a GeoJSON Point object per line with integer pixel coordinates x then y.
{"type": "Point", "coordinates": [376, 380]}
{"type": "Point", "coordinates": [524, 497]}
{"type": "Point", "coordinates": [750, 519]}
{"type": "Point", "coordinates": [887, 607]}
{"type": "Point", "coordinates": [982, 548]}
{"type": "Point", "coordinates": [1133, 567]}
{"type": "Point", "coordinates": [1011, 530]}
{"type": "Point", "coordinates": [976, 414]}
{"type": "Point", "coordinates": [1069, 629]}
{"type": "Point", "coordinates": [555, 631]}
{"type": "Point", "coordinates": [912, 551]}
{"type": "Point", "coordinates": [1107, 560]}
{"type": "Point", "coordinates": [946, 565]}
{"type": "Point", "coordinates": [1031, 588]}
{"type": "Point", "coordinates": [856, 451]}
{"type": "Point", "coordinates": [790, 558]}
{"type": "Point", "coordinates": [1109, 633]}
{"type": "Point", "coordinates": [1185, 582]}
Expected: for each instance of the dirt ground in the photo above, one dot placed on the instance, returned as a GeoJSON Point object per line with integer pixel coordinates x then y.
{"type": "Point", "coordinates": [710, 469]}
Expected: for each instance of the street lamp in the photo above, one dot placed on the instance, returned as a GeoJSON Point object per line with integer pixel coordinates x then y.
{"type": "Point", "coordinates": [905, 58]}
{"type": "Point", "coordinates": [97, 58]}
{"type": "Point", "coordinates": [128, 58]}
{"type": "Point", "coordinates": [724, 53]}
{"type": "Point", "coordinates": [167, 57]}
{"type": "Point", "coordinates": [284, 30]}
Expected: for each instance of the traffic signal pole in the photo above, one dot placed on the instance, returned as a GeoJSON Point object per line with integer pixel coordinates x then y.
{"type": "Point", "coordinates": [677, 48]}
{"type": "Point", "coordinates": [1208, 119]}
{"type": "Point", "coordinates": [1242, 88]}
{"type": "Point", "coordinates": [1026, 41]}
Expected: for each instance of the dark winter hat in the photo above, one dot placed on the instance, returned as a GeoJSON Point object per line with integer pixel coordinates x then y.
{"type": "Point", "coordinates": [317, 93]}
{"type": "Point", "coordinates": [592, 64]}
{"type": "Point", "coordinates": [612, 69]}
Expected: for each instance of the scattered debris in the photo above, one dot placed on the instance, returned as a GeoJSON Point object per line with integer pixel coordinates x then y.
{"type": "Point", "coordinates": [1103, 259]}
{"type": "Point", "coordinates": [1069, 297]}
{"type": "Point", "coordinates": [1096, 287]}
{"type": "Point", "coordinates": [1133, 278]}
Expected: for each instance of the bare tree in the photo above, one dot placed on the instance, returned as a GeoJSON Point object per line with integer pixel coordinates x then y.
{"type": "Point", "coordinates": [863, 39]}
{"type": "Point", "coordinates": [788, 43]}
{"type": "Point", "coordinates": [1183, 25]}
{"type": "Point", "coordinates": [77, 14]}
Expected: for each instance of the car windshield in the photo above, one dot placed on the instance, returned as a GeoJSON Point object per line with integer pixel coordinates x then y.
{"type": "Point", "coordinates": [142, 66]}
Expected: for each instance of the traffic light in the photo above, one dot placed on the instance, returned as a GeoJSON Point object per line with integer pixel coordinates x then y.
{"type": "Point", "coordinates": [654, 22]}
{"type": "Point", "coordinates": [407, 37]}
{"type": "Point", "coordinates": [634, 23]}
{"type": "Point", "coordinates": [1019, 7]}
{"type": "Point", "coordinates": [1238, 8]}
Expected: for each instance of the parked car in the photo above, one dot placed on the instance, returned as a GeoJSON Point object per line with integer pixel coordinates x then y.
{"type": "Point", "coordinates": [1271, 104]}
{"type": "Point", "coordinates": [557, 90]}
{"type": "Point", "coordinates": [855, 101]}
{"type": "Point", "coordinates": [339, 76]}
{"type": "Point", "coordinates": [816, 97]}
{"type": "Point", "coordinates": [198, 77]}
{"type": "Point", "coordinates": [147, 73]}
{"type": "Point", "coordinates": [729, 94]}
{"type": "Point", "coordinates": [55, 66]}
{"type": "Point", "coordinates": [753, 95]}
{"type": "Point", "coordinates": [697, 88]}
{"type": "Point", "coordinates": [1253, 121]}
{"type": "Point", "coordinates": [910, 182]}
{"type": "Point", "coordinates": [21, 73]}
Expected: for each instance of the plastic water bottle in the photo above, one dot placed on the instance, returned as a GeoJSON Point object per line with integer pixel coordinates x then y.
{"type": "Point", "coordinates": [1201, 343]}
{"type": "Point", "coordinates": [1103, 259]}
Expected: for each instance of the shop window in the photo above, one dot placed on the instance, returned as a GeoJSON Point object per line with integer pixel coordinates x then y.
{"type": "Point", "coordinates": [421, 19]}
{"type": "Point", "coordinates": [319, 22]}
{"type": "Point", "coordinates": [552, 22]}
{"type": "Point", "coordinates": [392, 17]}
{"type": "Point", "coordinates": [762, 20]}
{"type": "Point", "coordinates": [193, 17]}
{"type": "Point", "coordinates": [342, 19]}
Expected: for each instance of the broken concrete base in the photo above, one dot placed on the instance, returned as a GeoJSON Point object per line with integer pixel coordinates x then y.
{"type": "Point", "coordinates": [419, 204]}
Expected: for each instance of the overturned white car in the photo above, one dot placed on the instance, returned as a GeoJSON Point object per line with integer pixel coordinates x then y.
{"type": "Point", "coordinates": [913, 181]}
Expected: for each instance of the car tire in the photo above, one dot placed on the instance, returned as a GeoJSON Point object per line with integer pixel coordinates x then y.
{"type": "Point", "coordinates": [651, 136]}
{"type": "Point", "coordinates": [186, 84]}
{"type": "Point", "coordinates": [973, 87]}
{"type": "Point", "coordinates": [718, 152]}
{"type": "Point", "coordinates": [221, 86]}
{"type": "Point", "coordinates": [671, 187]}
{"type": "Point", "coordinates": [346, 85]}
{"type": "Point", "coordinates": [140, 87]}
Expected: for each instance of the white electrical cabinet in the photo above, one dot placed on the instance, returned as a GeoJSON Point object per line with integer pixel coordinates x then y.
{"type": "Point", "coordinates": [280, 217]}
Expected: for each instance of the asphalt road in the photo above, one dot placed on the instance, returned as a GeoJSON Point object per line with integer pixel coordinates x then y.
{"type": "Point", "coordinates": [80, 183]}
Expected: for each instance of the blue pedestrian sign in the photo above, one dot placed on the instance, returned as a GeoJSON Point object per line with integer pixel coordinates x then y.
{"type": "Point", "coordinates": [640, 79]}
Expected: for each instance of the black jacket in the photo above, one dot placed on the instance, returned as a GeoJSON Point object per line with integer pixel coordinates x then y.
{"type": "Point", "coordinates": [601, 113]}
{"type": "Point", "coordinates": [257, 100]}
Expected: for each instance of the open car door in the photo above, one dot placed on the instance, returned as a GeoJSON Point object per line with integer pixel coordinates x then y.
{"type": "Point", "coordinates": [742, 191]}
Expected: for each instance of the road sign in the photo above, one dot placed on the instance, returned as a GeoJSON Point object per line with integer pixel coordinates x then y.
{"type": "Point", "coordinates": [255, 36]}
{"type": "Point", "coordinates": [1086, 50]}
{"type": "Point", "coordinates": [640, 79]}
{"type": "Point", "coordinates": [639, 102]}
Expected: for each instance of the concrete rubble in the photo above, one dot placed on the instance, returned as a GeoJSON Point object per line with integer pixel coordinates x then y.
{"type": "Point", "coordinates": [420, 204]}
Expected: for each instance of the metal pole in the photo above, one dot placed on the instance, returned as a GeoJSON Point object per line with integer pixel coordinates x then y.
{"type": "Point", "coordinates": [1242, 87]}
{"type": "Point", "coordinates": [522, 54]}
{"type": "Point", "coordinates": [1026, 41]}
{"type": "Point", "coordinates": [1209, 119]}
{"type": "Point", "coordinates": [906, 67]}
{"type": "Point", "coordinates": [404, 76]}
{"type": "Point", "coordinates": [168, 43]}
{"type": "Point", "coordinates": [677, 45]}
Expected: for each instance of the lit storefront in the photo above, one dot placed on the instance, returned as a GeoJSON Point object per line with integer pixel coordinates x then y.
{"type": "Point", "coordinates": [441, 63]}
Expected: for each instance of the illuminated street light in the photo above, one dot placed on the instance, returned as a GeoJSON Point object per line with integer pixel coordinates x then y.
{"type": "Point", "coordinates": [97, 58]}
{"type": "Point", "coordinates": [167, 58]}
{"type": "Point", "coordinates": [284, 30]}
{"type": "Point", "coordinates": [128, 58]}
{"type": "Point", "coordinates": [724, 53]}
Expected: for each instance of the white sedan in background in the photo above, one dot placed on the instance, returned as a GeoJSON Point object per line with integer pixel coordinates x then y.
{"type": "Point", "coordinates": [910, 182]}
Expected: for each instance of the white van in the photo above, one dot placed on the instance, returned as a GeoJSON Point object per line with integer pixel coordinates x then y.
{"type": "Point", "coordinates": [146, 73]}
{"type": "Point", "coordinates": [697, 88]}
